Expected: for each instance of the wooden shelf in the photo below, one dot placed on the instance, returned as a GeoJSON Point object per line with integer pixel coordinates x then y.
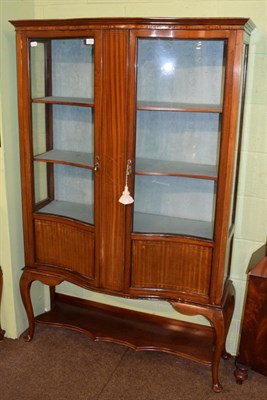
{"type": "Point", "coordinates": [137, 330]}
{"type": "Point", "coordinates": [69, 101]}
{"type": "Point", "coordinates": [172, 106]}
{"type": "Point", "coordinates": [172, 168]}
{"type": "Point", "coordinates": [161, 224]}
{"type": "Point", "coordinates": [75, 158]}
{"type": "Point", "coordinates": [67, 209]}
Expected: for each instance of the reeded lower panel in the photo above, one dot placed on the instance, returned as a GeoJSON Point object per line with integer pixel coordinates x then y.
{"type": "Point", "coordinates": [64, 245]}
{"type": "Point", "coordinates": [171, 266]}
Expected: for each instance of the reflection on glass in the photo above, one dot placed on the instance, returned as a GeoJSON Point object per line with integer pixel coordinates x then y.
{"type": "Point", "coordinates": [181, 71]}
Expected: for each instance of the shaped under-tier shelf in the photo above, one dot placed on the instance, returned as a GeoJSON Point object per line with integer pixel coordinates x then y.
{"type": "Point", "coordinates": [137, 330]}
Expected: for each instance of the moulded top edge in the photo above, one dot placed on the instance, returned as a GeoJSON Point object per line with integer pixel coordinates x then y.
{"type": "Point", "coordinates": [124, 23]}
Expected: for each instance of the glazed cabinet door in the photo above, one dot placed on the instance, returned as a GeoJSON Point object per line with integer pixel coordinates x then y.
{"type": "Point", "coordinates": [60, 142]}
{"type": "Point", "coordinates": [176, 118]}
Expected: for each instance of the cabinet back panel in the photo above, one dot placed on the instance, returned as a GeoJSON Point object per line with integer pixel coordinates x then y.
{"type": "Point", "coordinates": [171, 266]}
{"type": "Point", "coordinates": [63, 245]}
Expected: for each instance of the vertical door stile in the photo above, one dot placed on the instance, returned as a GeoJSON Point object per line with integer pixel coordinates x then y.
{"type": "Point", "coordinates": [97, 148]}
{"type": "Point", "coordinates": [113, 158]}
{"type": "Point", "coordinates": [229, 137]}
{"type": "Point", "coordinates": [25, 144]}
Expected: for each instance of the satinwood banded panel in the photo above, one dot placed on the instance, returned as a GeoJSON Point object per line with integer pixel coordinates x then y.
{"type": "Point", "coordinates": [65, 245]}
{"type": "Point", "coordinates": [171, 266]}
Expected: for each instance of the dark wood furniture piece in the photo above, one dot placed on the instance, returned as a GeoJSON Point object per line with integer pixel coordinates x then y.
{"type": "Point", "coordinates": [150, 105]}
{"type": "Point", "coordinates": [253, 343]}
{"type": "Point", "coordinates": [2, 332]}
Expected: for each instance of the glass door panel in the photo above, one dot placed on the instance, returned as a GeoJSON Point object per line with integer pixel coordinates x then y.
{"type": "Point", "coordinates": [177, 142]}
{"type": "Point", "coordinates": [73, 134]}
{"type": "Point", "coordinates": [62, 91]}
{"type": "Point", "coordinates": [174, 205]}
{"type": "Point", "coordinates": [179, 105]}
{"type": "Point", "coordinates": [72, 68]}
{"type": "Point", "coordinates": [180, 72]}
{"type": "Point", "coordinates": [72, 191]}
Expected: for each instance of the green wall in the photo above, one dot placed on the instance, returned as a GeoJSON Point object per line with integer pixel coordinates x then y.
{"type": "Point", "coordinates": [252, 202]}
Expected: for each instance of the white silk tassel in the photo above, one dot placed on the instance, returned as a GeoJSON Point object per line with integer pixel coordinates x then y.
{"type": "Point", "coordinates": [126, 198]}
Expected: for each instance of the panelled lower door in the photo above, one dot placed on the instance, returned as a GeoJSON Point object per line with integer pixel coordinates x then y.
{"type": "Point", "coordinates": [176, 120]}
{"type": "Point", "coordinates": [64, 149]}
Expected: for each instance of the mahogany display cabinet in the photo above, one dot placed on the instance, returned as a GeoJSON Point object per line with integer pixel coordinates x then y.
{"type": "Point", "coordinates": [151, 108]}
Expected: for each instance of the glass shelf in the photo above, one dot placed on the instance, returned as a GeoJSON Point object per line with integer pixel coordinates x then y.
{"type": "Point", "coordinates": [172, 106]}
{"type": "Point", "coordinates": [68, 209]}
{"type": "Point", "coordinates": [72, 101]}
{"type": "Point", "coordinates": [74, 158]}
{"type": "Point", "coordinates": [161, 224]}
{"type": "Point", "coordinates": [146, 166]}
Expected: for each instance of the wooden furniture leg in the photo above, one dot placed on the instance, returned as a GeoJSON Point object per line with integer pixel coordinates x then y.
{"type": "Point", "coordinates": [2, 332]}
{"type": "Point", "coordinates": [220, 318]}
{"type": "Point", "coordinates": [28, 276]}
{"type": "Point", "coordinates": [240, 373]}
{"type": "Point", "coordinates": [25, 287]}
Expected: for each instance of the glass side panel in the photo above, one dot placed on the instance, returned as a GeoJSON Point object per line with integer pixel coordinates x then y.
{"type": "Point", "coordinates": [179, 105]}
{"type": "Point", "coordinates": [39, 136]}
{"type": "Point", "coordinates": [174, 205]}
{"type": "Point", "coordinates": [182, 137]}
{"type": "Point", "coordinates": [239, 137]}
{"type": "Point", "coordinates": [72, 68]}
{"type": "Point", "coordinates": [180, 71]}
{"type": "Point", "coordinates": [40, 182]}
{"type": "Point", "coordinates": [73, 192]}
{"type": "Point", "coordinates": [38, 65]}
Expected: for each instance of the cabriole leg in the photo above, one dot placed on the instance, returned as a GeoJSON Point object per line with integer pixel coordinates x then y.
{"type": "Point", "coordinates": [25, 288]}
{"type": "Point", "coordinates": [220, 318]}
{"type": "Point", "coordinates": [219, 346]}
